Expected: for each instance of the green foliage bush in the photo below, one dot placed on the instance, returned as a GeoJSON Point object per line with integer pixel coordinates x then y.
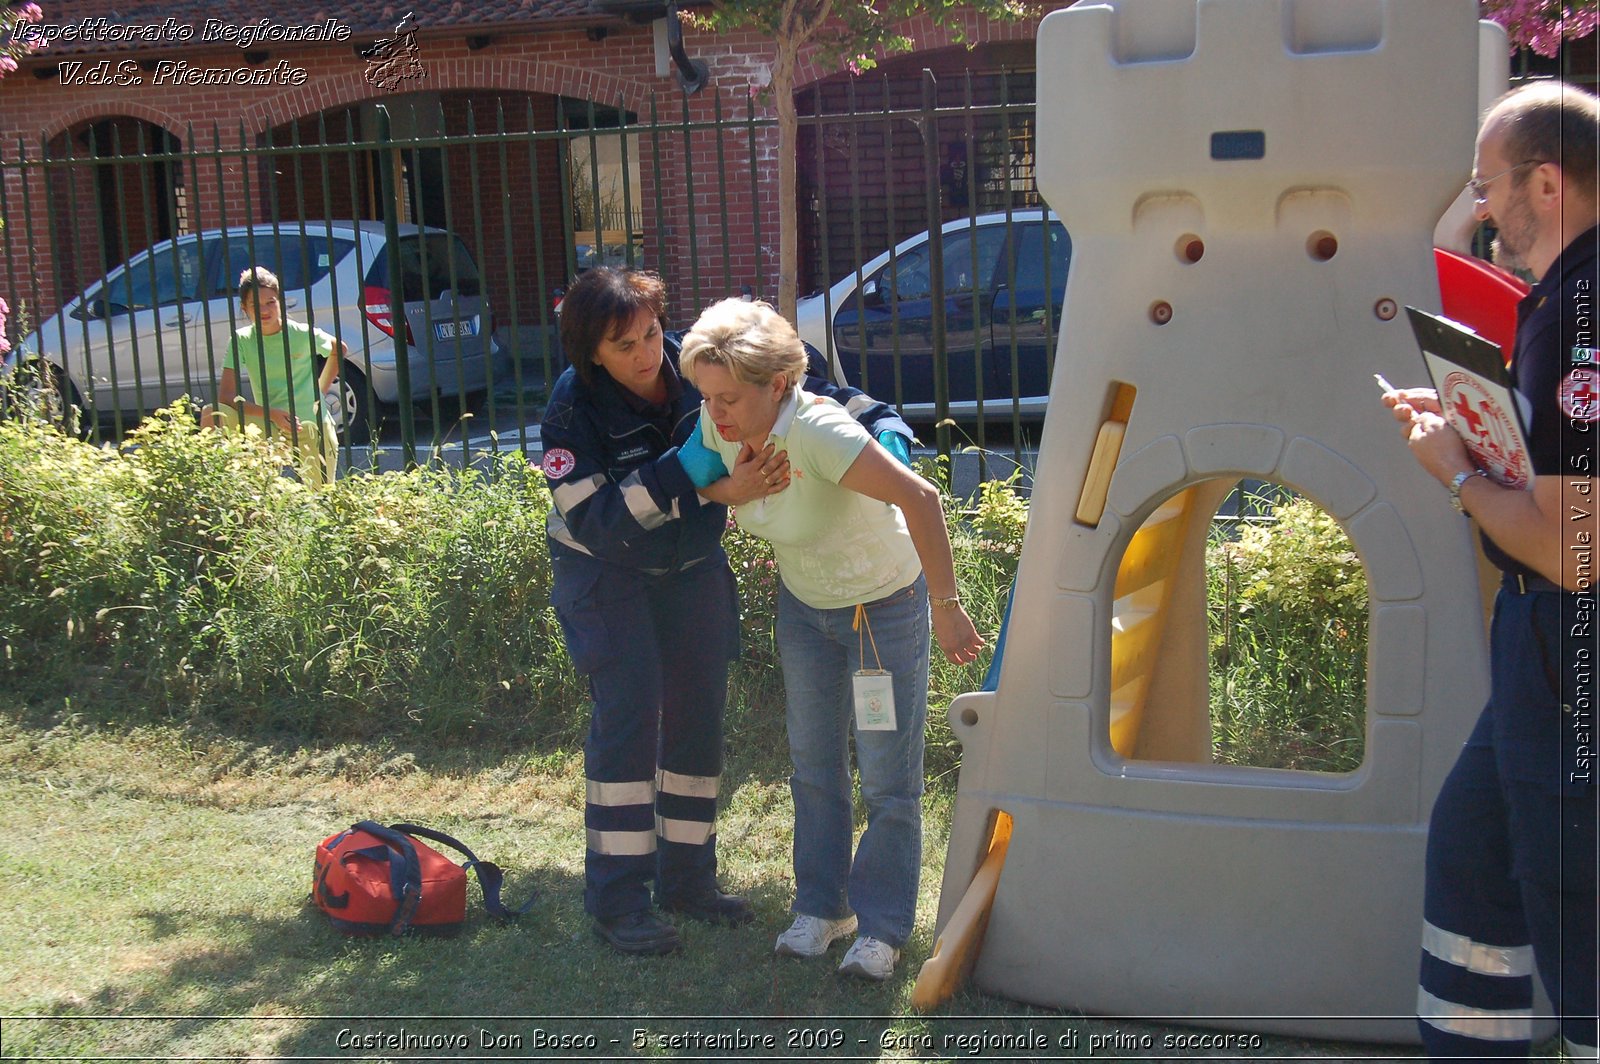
{"type": "Point", "coordinates": [189, 572]}
{"type": "Point", "coordinates": [183, 575]}
{"type": "Point", "coordinates": [1288, 630]}
{"type": "Point", "coordinates": [986, 539]}
{"type": "Point", "coordinates": [755, 695]}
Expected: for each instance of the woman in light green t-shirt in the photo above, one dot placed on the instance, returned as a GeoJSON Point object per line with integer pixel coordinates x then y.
{"type": "Point", "coordinates": [862, 551]}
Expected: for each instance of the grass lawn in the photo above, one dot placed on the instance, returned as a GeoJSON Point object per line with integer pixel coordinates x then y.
{"type": "Point", "coordinates": [156, 908]}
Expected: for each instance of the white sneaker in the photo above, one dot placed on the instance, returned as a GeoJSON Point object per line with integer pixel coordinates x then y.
{"type": "Point", "coordinates": [810, 936]}
{"type": "Point", "coordinates": [870, 958]}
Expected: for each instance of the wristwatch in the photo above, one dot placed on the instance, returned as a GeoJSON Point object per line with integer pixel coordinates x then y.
{"type": "Point", "coordinates": [1455, 487]}
{"type": "Point", "coordinates": [943, 603]}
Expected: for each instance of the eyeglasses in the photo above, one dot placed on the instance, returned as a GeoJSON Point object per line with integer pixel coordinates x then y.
{"type": "Point", "coordinates": [1479, 186]}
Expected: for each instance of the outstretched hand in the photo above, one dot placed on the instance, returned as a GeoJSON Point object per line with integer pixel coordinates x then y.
{"type": "Point", "coordinates": [956, 635]}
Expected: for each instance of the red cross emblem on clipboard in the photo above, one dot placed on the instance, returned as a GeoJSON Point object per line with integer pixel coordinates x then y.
{"type": "Point", "coordinates": [1487, 429]}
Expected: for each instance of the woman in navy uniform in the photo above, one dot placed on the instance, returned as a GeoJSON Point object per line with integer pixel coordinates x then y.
{"type": "Point", "coordinates": [647, 603]}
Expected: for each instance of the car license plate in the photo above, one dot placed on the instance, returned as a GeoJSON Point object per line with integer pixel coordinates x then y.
{"type": "Point", "coordinates": [449, 330]}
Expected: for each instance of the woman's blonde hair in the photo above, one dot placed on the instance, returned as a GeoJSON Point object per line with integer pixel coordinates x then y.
{"type": "Point", "coordinates": [753, 342]}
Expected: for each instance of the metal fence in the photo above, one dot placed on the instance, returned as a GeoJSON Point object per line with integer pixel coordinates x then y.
{"type": "Point", "coordinates": [123, 245]}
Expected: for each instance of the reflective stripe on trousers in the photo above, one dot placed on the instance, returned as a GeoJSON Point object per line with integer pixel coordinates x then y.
{"type": "Point", "coordinates": [656, 651]}
{"type": "Point", "coordinates": [1511, 855]}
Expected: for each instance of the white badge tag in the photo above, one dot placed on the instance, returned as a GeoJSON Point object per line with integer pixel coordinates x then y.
{"type": "Point", "coordinates": [874, 693]}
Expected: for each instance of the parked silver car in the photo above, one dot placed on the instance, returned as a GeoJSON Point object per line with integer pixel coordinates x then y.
{"type": "Point", "coordinates": [159, 326]}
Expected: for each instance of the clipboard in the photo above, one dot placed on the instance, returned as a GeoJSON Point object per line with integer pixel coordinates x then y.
{"type": "Point", "coordinates": [1477, 397]}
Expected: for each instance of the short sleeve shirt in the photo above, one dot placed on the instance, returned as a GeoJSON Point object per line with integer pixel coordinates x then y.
{"type": "Point", "coordinates": [269, 371]}
{"type": "Point", "coordinates": [835, 547]}
{"type": "Point", "coordinates": [1555, 371]}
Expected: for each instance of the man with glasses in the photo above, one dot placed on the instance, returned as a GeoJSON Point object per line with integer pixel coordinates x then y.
{"type": "Point", "coordinates": [1512, 840]}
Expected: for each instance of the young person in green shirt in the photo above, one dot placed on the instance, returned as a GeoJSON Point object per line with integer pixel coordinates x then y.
{"type": "Point", "coordinates": [278, 354]}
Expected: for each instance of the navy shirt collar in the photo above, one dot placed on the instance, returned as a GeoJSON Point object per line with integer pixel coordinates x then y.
{"type": "Point", "coordinates": [1574, 257]}
{"type": "Point", "coordinates": [1535, 310]}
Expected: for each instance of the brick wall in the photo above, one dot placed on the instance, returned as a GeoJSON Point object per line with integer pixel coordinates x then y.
{"type": "Point", "coordinates": [96, 213]}
{"type": "Point", "coordinates": [725, 237]}
{"type": "Point", "coordinates": [864, 184]}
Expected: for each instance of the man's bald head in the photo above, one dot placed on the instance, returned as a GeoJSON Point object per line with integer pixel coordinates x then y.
{"type": "Point", "coordinates": [1551, 122]}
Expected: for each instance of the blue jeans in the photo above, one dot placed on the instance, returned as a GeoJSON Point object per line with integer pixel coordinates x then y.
{"type": "Point", "coordinates": [820, 652]}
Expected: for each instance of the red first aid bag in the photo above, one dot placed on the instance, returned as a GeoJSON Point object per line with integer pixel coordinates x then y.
{"type": "Point", "coordinates": [376, 880]}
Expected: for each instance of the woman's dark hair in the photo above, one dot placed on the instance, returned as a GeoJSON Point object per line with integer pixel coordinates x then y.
{"type": "Point", "coordinates": [602, 302]}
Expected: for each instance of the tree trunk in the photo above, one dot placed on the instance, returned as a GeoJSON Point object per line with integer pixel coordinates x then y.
{"type": "Point", "coordinates": [783, 70]}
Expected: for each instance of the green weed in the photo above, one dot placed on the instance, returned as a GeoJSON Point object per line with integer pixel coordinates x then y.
{"type": "Point", "coordinates": [184, 576]}
{"type": "Point", "coordinates": [189, 571]}
{"type": "Point", "coordinates": [1288, 628]}
{"type": "Point", "coordinates": [986, 539]}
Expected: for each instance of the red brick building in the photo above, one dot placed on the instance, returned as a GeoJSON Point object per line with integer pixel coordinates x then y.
{"type": "Point", "coordinates": [177, 115]}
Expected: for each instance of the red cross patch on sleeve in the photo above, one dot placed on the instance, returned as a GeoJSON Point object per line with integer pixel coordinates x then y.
{"type": "Point", "coordinates": [1578, 393]}
{"type": "Point", "coordinates": [558, 463]}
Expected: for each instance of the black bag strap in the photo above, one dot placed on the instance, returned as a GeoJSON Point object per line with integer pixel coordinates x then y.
{"type": "Point", "coordinates": [405, 875]}
{"type": "Point", "coordinates": [490, 876]}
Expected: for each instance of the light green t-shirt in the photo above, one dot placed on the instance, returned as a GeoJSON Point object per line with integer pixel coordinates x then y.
{"type": "Point", "coordinates": [271, 382]}
{"type": "Point", "coordinates": [835, 547]}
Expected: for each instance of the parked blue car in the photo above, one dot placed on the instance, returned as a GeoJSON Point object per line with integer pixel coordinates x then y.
{"type": "Point", "coordinates": [1004, 279]}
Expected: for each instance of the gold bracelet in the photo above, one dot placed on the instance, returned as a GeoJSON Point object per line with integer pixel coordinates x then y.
{"type": "Point", "coordinates": [945, 603]}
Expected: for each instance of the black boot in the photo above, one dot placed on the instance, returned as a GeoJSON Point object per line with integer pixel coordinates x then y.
{"type": "Point", "coordinates": [711, 906]}
{"type": "Point", "coordinates": [642, 931]}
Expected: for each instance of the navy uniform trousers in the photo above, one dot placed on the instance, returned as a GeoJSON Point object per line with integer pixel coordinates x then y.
{"type": "Point", "coordinates": [1511, 886]}
{"type": "Point", "coordinates": [656, 652]}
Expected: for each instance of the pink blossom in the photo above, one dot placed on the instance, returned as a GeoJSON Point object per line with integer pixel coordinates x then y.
{"type": "Point", "coordinates": [31, 13]}
{"type": "Point", "coordinates": [8, 65]}
{"type": "Point", "coordinates": [1541, 25]}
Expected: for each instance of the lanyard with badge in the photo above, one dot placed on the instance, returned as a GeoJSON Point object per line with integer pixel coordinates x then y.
{"type": "Point", "coordinates": [873, 688]}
